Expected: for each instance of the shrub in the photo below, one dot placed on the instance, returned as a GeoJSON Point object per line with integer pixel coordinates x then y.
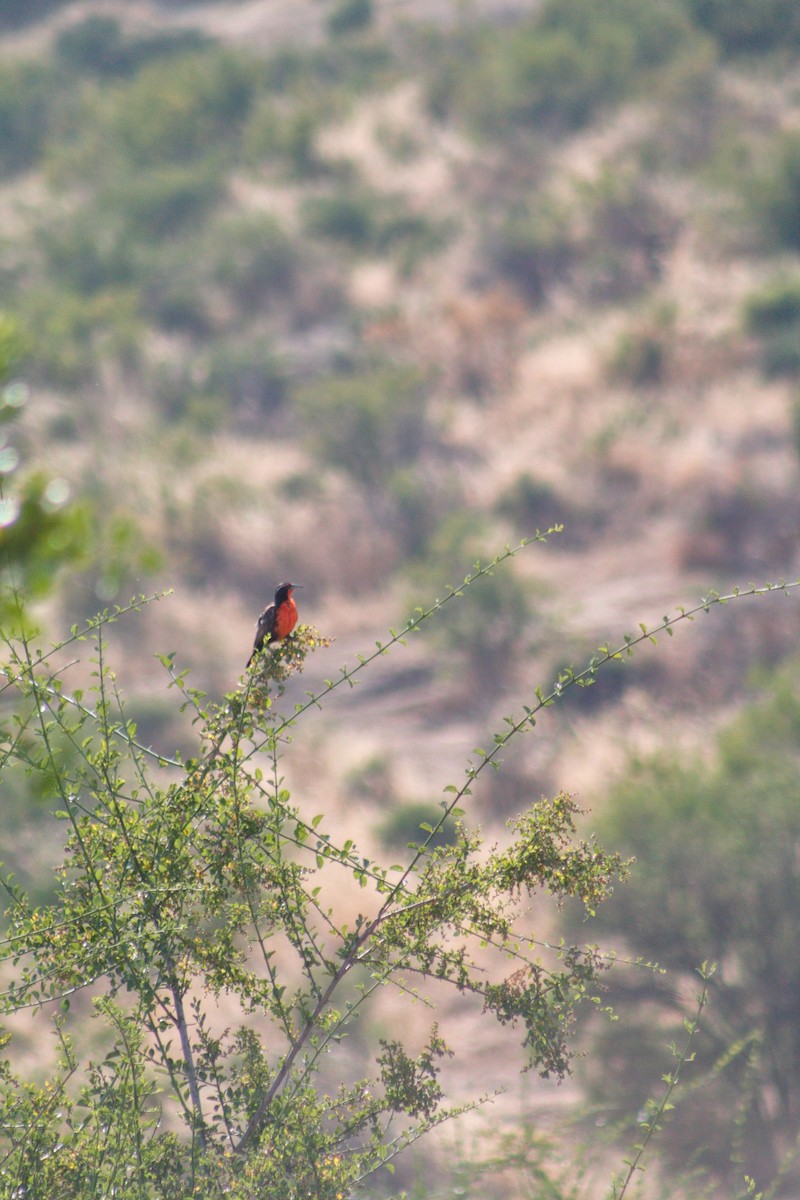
{"type": "Point", "coordinates": [160, 203]}
{"type": "Point", "coordinates": [286, 138]}
{"type": "Point", "coordinates": [349, 16]}
{"type": "Point", "coordinates": [175, 279]}
{"type": "Point", "coordinates": [409, 237]}
{"type": "Point", "coordinates": [255, 260]}
{"type": "Point", "coordinates": [692, 113]}
{"type": "Point", "coordinates": [300, 486]}
{"type": "Point", "coordinates": [749, 26]}
{"type": "Point", "coordinates": [533, 248]}
{"type": "Point", "coordinates": [88, 251]}
{"type": "Point", "coordinates": [372, 780]}
{"type": "Point", "coordinates": [483, 639]}
{"type": "Point", "coordinates": [607, 238]}
{"type": "Point", "coordinates": [716, 846]}
{"type": "Point", "coordinates": [638, 359]}
{"type": "Point", "coordinates": [418, 499]}
{"type": "Point", "coordinates": [343, 217]}
{"type": "Point", "coordinates": [240, 381]}
{"type": "Point", "coordinates": [780, 354]}
{"type": "Point", "coordinates": [555, 71]}
{"type": "Point", "coordinates": [773, 315]}
{"type": "Point", "coordinates": [183, 109]}
{"type": "Point", "coordinates": [174, 389]}
{"type": "Point", "coordinates": [627, 232]}
{"type": "Point", "coordinates": [537, 81]}
{"type": "Point", "coordinates": [75, 332]}
{"type": "Point", "coordinates": [607, 688]}
{"type": "Point", "coordinates": [325, 77]}
{"type": "Point", "coordinates": [774, 194]}
{"type": "Point", "coordinates": [532, 504]}
{"type": "Point", "coordinates": [250, 376]}
{"type": "Point", "coordinates": [31, 101]}
{"type": "Point", "coordinates": [413, 822]}
{"type": "Point", "coordinates": [366, 424]}
{"type": "Point", "coordinates": [189, 878]}
{"type": "Point", "coordinates": [640, 355]}
{"type": "Point", "coordinates": [379, 224]}
{"type": "Point", "coordinates": [98, 45]}
{"type": "Point", "coordinates": [13, 13]}
{"type": "Point", "coordinates": [774, 307]}
{"type": "Point", "coordinates": [173, 301]}
{"type": "Point", "coordinates": [657, 29]}
{"type": "Point", "coordinates": [178, 887]}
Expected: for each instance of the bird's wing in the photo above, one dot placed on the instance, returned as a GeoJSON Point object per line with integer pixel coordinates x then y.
{"type": "Point", "coordinates": [265, 626]}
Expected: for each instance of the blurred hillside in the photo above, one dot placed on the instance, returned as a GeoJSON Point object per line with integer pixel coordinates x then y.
{"type": "Point", "coordinates": [355, 293]}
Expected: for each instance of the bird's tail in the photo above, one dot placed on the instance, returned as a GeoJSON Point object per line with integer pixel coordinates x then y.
{"type": "Point", "coordinates": [254, 653]}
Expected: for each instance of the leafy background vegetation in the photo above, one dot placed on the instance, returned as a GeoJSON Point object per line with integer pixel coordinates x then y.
{"type": "Point", "coordinates": [356, 303]}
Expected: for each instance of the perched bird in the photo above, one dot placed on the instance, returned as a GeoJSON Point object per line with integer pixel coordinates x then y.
{"type": "Point", "coordinates": [277, 621]}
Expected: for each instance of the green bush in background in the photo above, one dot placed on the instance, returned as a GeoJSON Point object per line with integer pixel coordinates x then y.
{"type": "Point", "coordinates": [349, 16]}
{"type": "Point", "coordinates": [180, 110]}
{"type": "Point", "coordinates": [99, 46]}
{"type": "Point", "coordinates": [772, 314]}
{"type": "Point", "coordinates": [749, 26]}
{"type": "Point", "coordinates": [773, 193]}
{"type": "Point", "coordinates": [716, 843]}
{"type": "Point", "coordinates": [32, 96]}
{"type": "Point", "coordinates": [367, 424]}
{"type": "Point", "coordinates": [557, 70]}
{"type": "Point", "coordinates": [13, 13]}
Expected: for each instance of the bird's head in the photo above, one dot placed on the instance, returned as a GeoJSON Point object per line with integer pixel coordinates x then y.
{"type": "Point", "coordinates": [284, 592]}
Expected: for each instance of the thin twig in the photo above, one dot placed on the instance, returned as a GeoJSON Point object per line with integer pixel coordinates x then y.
{"type": "Point", "coordinates": [671, 1081]}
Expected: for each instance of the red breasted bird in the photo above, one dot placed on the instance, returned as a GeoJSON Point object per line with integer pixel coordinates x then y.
{"type": "Point", "coordinates": [277, 621]}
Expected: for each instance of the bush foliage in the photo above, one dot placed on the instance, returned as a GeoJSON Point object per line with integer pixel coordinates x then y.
{"type": "Point", "coordinates": [716, 846]}
{"type": "Point", "coordinates": [367, 424]}
{"type": "Point", "coordinates": [774, 194]}
{"type": "Point", "coordinates": [555, 72]}
{"type": "Point", "coordinates": [773, 315]}
{"type": "Point", "coordinates": [182, 881]}
{"type": "Point", "coordinates": [749, 26]}
{"type": "Point", "coordinates": [99, 46]}
{"type": "Point", "coordinates": [30, 97]}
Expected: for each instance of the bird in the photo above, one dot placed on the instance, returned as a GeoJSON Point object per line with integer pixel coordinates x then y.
{"type": "Point", "coordinates": [277, 620]}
